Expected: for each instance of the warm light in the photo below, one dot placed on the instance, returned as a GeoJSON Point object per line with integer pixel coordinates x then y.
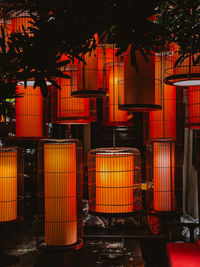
{"type": "Point", "coordinates": [8, 186]}
{"type": "Point", "coordinates": [29, 112]}
{"type": "Point", "coordinates": [60, 194]}
{"type": "Point", "coordinates": [162, 123]}
{"type": "Point", "coordinates": [139, 92]}
{"type": "Point", "coordinates": [21, 22]}
{"type": "Point", "coordinates": [194, 107]}
{"type": "Point", "coordinates": [163, 176]}
{"type": "Point", "coordinates": [114, 180]}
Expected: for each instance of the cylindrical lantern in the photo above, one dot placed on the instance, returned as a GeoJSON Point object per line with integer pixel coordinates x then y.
{"type": "Point", "coordinates": [161, 174]}
{"type": "Point", "coordinates": [60, 193]}
{"type": "Point", "coordinates": [88, 83]}
{"type": "Point", "coordinates": [186, 73]}
{"type": "Point", "coordinates": [162, 123]}
{"type": "Point", "coordinates": [192, 110]}
{"type": "Point", "coordinates": [68, 109]}
{"type": "Point", "coordinates": [114, 180]}
{"type": "Point", "coordinates": [7, 27]}
{"type": "Point", "coordinates": [138, 90]}
{"type": "Point", "coordinates": [11, 184]}
{"type": "Point", "coordinates": [21, 21]}
{"type": "Point", "coordinates": [29, 112]}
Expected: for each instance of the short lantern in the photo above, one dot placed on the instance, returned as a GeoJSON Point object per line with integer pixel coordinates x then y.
{"type": "Point", "coordinates": [29, 112]}
{"type": "Point", "coordinates": [192, 110]}
{"type": "Point", "coordinates": [162, 123]}
{"type": "Point", "coordinates": [21, 21]}
{"type": "Point", "coordinates": [71, 110]}
{"type": "Point", "coordinates": [11, 184]}
{"type": "Point", "coordinates": [60, 194]}
{"type": "Point", "coordinates": [139, 91]}
{"type": "Point", "coordinates": [161, 175]}
{"type": "Point", "coordinates": [114, 180]}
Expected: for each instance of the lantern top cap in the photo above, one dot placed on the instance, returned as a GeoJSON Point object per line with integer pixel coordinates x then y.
{"type": "Point", "coordinates": [115, 151]}
{"type": "Point", "coordinates": [31, 83]}
{"type": "Point", "coordinates": [163, 140]}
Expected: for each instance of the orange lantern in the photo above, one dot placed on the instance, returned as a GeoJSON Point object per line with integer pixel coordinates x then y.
{"type": "Point", "coordinates": [7, 26]}
{"type": "Point", "coordinates": [138, 91]}
{"type": "Point", "coordinates": [69, 109]}
{"type": "Point", "coordinates": [21, 21]}
{"type": "Point", "coordinates": [114, 180]}
{"type": "Point", "coordinates": [29, 112]}
{"type": "Point", "coordinates": [161, 174]}
{"type": "Point", "coordinates": [162, 123]}
{"type": "Point", "coordinates": [62, 173]}
{"type": "Point", "coordinates": [11, 183]}
{"type": "Point", "coordinates": [192, 116]}
{"type": "Point", "coordinates": [185, 74]}
{"type": "Point", "coordinates": [88, 77]}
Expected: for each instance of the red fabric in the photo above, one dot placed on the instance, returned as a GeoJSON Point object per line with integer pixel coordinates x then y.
{"type": "Point", "coordinates": [184, 255]}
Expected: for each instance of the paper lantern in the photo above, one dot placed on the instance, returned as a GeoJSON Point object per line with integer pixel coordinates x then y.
{"type": "Point", "coordinates": [68, 109]}
{"type": "Point", "coordinates": [161, 174]}
{"type": "Point", "coordinates": [192, 110]}
{"type": "Point", "coordinates": [162, 123]}
{"type": "Point", "coordinates": [138, 91]}
{"type": "Point", "coordinates": [88, 83]}
{"type": "Point", "coordinates": [7, 27]}
{"type": "Point", "coordinates": [11, 184]}
{"type": "Point", "coordinates": [21, 21]}
{"type": "Point", "coordinates": [114, 180]}
{"type": "Point", "coordinates": [60, 182]}
{"type": "Point", "coordinates": [29, 112]}
{"type": "Point", "coordinates": [185, 74]}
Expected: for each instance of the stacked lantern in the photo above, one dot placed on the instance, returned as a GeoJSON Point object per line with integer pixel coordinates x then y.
{"type": "Point", "coordinates": [60, 193]}
{"type": "Point", "coordinates": [68, 109]}
{"type": "Point", "coordinates": [114, 180]}
{"type": "Point", "coordinates": [11, 184]}
{"type": "Point", "coordinates": [139, 91]}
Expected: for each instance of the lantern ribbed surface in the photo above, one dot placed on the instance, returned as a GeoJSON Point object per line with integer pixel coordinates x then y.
{"type": "Point", "coordinates": [21, 21]}
{"type": "Point", "coordinates": [114, 180]}
{"type": "Point", "coordinates": [11, 184]}
{"type": "Point", "coordinates": [60, 193]}
{"type": "Point", "coordinates": [139, 91]}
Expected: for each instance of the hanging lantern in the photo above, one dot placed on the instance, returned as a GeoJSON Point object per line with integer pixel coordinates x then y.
{"type": "Point", "coordinates": [162, 123]}
{"type": "Point", "coordinates": [138, 90]}
{"type": "Point", "coordinates": [114, 180]}
{"type": "Point", "coordinates": [60, 193]}
{"type": "Point", "coordinates": [185, 74]}
{"type": "Point", "coordinates": [11, 184]}
{"type": "Point", "coordinates": [88, 83]}
{"type": "Point", "coordinates": [29, 113]}
{"type": "Point", "coordinates": [161, 174]}
{"type": "Point", "coordinates": [21, 21]}
{"type": "Point", "coordinates": [192, 110]}
{"type": "Point", "coordinates": [68, 109]}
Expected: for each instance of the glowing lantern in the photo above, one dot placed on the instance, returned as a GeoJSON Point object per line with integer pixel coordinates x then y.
{"type": "Point", "coordinates": [7, 26]}
{"type": "Point", "coordinates": [29, 112]}
{"type": "Point", "coordinates": [161, 172]}
{"type": "Point", "coordinates": [21, 21]}
{"type": "Point", "coordinates": [138, 91]}
{"type": "Point", "coordinates": [70, 109]}
{"type": "Point", "coordinates": [185, 74]}
{"type": "Point", "coordinates": [192, 119]}
{"type": "Point", "coordinates": [114, 180]}
{"type": "Point", "coordinates": [162, 123]}
{"type": "Point", "coordinates": [62, 173]}
{"type": "Point", "coordinates": [11, 175]}
{"type": "Point", "coordinates": [88, 81]}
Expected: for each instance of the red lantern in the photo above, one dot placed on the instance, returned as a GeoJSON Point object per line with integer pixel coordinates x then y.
{"type": "Point", "coordinates": [192, 116]}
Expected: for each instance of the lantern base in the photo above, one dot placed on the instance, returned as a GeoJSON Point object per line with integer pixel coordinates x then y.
{"type": "Point", "coordinates": [123, 214]}
{"type": "Point", "coordinates": [44, 247]}
{"type": "Point", "coordinates": [6, 260]}
{"type": "Point", "coordinates": [183, 80]}
{"type": "Point", "coordinates": [139, 107]}
{"type": "Point", "coordinates": [88, 93]}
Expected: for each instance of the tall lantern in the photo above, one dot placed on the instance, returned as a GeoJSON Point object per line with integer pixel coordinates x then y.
{"type": "Point", "coordinates": [139, 91]}
{"type": "Point", "coordinates": [185, 74]}
{"type": "Point", "coordinates": [192, 110]}
{"type": "Point", "coordinates": [11, 184]}
{"type": "Point", "coordinates": [71, 110]}
{"type": "Point", "coordinates": [162, 123]}
{"type": "Point", "coordinates": [114, 180]}
{"type": "Point", "coordinates": [88, 85]}
{"type": "Point", "coordinates": [161, 175]}
{"type": "Point", "coordinates": [29, 112]}
{"type": "Point", "coordinates": [21, 21]}
{"type": "Point", "coordinates": [60, 194]}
